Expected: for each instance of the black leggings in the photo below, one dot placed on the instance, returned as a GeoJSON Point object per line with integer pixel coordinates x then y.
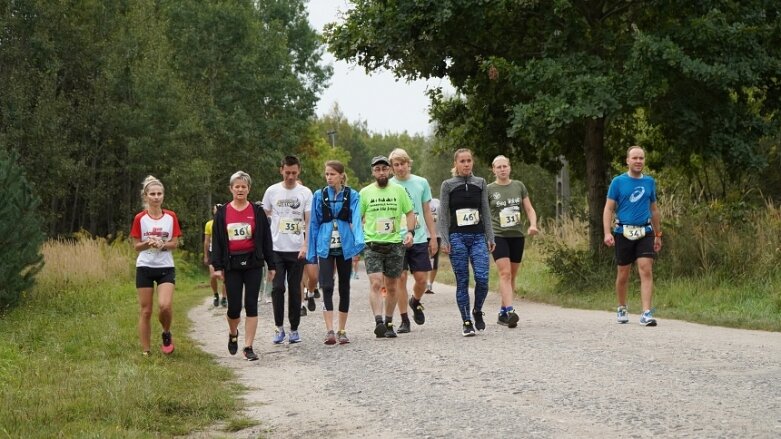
{"type": "Point", "coordinates": [343, 268]}
{"type": "Point", "coordinates": [292, 268]}
{"type": "Point", "coordinates": [247, 281]}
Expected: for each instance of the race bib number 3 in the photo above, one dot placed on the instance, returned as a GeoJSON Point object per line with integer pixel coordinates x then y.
{"type": "Point", "coordinates": [509, 217]}
{"type": "Point", "coordinates": [289, 226]}
{"type": "Point", "coordinates": [239, 231]}
{"type": "Point", "coordinates": [336, 239]}
{"type": "Point", "coordinates": [634, 233]}
{"type": "Point", "coordinates": [385, 226]}
{"type": "Point", "coordinates": [467, 217]}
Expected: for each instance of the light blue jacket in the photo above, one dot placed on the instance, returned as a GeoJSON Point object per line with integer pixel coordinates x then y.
{"type": "Point", "coordinates": [320, 232]}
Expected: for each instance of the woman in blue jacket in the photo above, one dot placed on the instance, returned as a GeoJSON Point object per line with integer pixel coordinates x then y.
{"type": "Point", "coordinates": [335, 237]}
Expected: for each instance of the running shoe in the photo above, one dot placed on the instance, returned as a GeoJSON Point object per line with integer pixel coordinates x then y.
{"type": "Point", "coordinates": [168, 343]}
{"type": "Point", "coordinates": [216, 300]}
{"type": "Point", "coordinates": [330, 338]}
{"type": "Point", "coordinates": [503, 319]}
{"type": "Point", "coordinates": [468, 330]}
{"type": "Point", "coordinates": [342, 337]}
{"type": "Point", "coordinates": [249, 354]}
{"type": "Point", "coordinates": [417, 311]}
{"type": "Point", "coordinates": [403, 328]}
{"type": "Point", "coordinates": [223, 302]}
{"type": "Point", "coordinates": [317, 293]}
{"type": "Point", "coordinates": [428, 291]}
{"type": "Point", "coordinates": [622, 315]}
{"type": "Point", "coordinates": [379, 330]}
{"type": "Point", "coordinates": [479, 322]}
{"type": "Point", "coordinates": [389, 332]}
{"type": "Point", "coordinates": [294, 337]}
{"type": "Point", "coordinates": [279, 336]}
{"type": "Point", "coordinates": [647, 319]}
{"type": "Point", "coordinates": [233, 343]}
{"type": "Point", "coordinates": [303, 311]}
{"type": "Point", "coordinates": [310, 302]}
{"type": "Point", "coordinates": [512, 319]}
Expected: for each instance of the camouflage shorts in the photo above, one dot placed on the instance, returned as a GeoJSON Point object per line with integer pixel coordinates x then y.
{"type": "Point", "coordinates": [386, 259]}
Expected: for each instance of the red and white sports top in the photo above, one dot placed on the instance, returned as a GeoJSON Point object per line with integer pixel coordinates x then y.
{"type": "Point", "coordinates": [165, 227]}
{"type": "Point", "coordinates": [240, 225]}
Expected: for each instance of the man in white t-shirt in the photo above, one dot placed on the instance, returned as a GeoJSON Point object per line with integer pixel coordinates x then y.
{"type": "Point", "coordinates": [288, 205]}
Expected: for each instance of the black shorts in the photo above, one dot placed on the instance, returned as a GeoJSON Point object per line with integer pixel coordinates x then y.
{"type": "Point", "coordinates": [147, 276]}
{"type": "Point", "coordinates": [416, 258]}
{"type": "Point", "coordinates": [435, 257]}
{"type": "Point", "coordinates": [509, 248]}
{"type": "Point", "coordinates": [628, 251]}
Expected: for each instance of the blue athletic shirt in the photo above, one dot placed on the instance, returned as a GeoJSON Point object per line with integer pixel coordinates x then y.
{"type": "Point", "coordinates": [633, 197]}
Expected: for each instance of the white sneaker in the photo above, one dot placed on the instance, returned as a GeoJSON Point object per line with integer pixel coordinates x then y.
{"type": "Point", "coordinates": [647, 319]}
{"type": "Point", "coordinates": [622, 316]}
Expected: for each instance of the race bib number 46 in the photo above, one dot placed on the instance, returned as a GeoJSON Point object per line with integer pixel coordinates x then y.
{"type": "Point", "coordinates": [467, 217]}
{"type": "Point", "coordinates": [239, 231]}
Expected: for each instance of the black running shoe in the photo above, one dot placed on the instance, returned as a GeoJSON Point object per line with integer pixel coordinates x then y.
{"type": "Point", "coordinates": [317, 293]}
{"type": "Point", "coordinates": [379, 330]}
{"type": "Point", "coordinates": [479, 322]}
{"type": "Point", "coordinates": [428, 291]}
{"type": "Point", "coordinates": [512, 319]}
{"type": "Point", "coordinates": [310, 302]}
{"type": "Point", "coordinates": [389, 332]}
{"type": "Point", "coordinates": [468, 330]}
{"type": "Point", "coordinates": [303, 310]}
{"type": "Point", "coordinates": [233, 343]}
{"type": "Point", "coordinates": [417, 311]}
{"type": "Point", "coordinates": [216, 300]}
{"type": "Point", "coordinates": [223, 302]}
{"type": "Point", "coordinates": [403, 328]}
{"type": "Point", "coordinates": [249, 354]}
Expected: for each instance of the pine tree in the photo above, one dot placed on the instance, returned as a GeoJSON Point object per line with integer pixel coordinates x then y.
{"type": "Point", "coordinates": [20, 232]}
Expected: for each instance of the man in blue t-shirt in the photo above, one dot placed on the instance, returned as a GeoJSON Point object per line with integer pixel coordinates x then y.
{"type": "Point", "coordinates": [637, 233]}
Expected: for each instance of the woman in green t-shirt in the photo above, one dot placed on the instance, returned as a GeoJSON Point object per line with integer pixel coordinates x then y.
{"type": "Point", "coordinates": [505, 198]}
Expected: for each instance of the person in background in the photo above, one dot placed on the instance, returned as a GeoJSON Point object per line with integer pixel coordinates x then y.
{"type": "Point", "coordinates": [417, 258]}
{"type": "Point", "coordinates": [155, 233]}
{"type": "Point", "coordinates": [467, 236]}
{"type": "Point", "coordinates": [207, 248]}
{"type": "Point", "coordinates": [506, 197]}
{"type": "Point", "coordinates": [335, 236]}
{"type": "Point", "coordinates": [637, 235]}
{"type": "Point", "coordinates": [432, 275]}
{"type": "Point", "coordinates": [241, 242]}
{"type": "Point", "coordinates": [288, 205]}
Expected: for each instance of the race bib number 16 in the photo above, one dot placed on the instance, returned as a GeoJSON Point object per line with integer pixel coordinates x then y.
{"type": "Point", "coordinates": [239, 231]}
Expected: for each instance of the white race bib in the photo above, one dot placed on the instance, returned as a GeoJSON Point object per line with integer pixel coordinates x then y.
{"type": "Point", "coordinates": [336, 239]}
{"type": "Point", "coordinates": [467, 217]}
{"type": "Point", "coordinates": [384, 226]}
{"type": "Point", "coordinates": [289, 226]}
{"type": "Point", "coordinates": [239, 231]}
{"type": "Point", "coordinates": [509, 217]}
{"type": "Point", "coordinates": [634, 233]}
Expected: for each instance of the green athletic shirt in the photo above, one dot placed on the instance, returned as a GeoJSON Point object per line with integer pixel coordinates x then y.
{"type": "Point", "coordinates": [506, 204]}
{"type": "Point", "coordinates": [382, 210]}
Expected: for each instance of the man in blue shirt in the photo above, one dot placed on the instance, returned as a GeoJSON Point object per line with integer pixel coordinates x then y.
{"type": "Point", "coordinates": [637, 234]}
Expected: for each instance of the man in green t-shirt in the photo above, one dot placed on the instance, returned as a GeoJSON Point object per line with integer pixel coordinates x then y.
{"type": "Point", "coordinates": [383, 204]}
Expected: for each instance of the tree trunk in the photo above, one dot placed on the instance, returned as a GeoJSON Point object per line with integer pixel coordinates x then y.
{"type": "Point", "coordinates": [596, 179]}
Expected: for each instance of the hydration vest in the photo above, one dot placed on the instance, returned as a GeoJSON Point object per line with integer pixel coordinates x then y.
{"type": "Point", "coordinates": [344, 213]}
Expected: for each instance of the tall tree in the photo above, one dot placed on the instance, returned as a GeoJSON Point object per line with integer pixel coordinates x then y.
{"type": "Point", "coordinates": [537, 80]}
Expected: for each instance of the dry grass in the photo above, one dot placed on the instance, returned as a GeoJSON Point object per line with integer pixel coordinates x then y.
{"type": "Point", "coordinates": [84, 261]}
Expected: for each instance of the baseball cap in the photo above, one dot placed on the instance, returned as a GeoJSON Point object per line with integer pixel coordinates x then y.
{"type": "Point", "coordinates": [380, 159]}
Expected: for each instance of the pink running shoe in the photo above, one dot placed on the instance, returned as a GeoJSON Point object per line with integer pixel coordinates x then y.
{"type": "Point", "coordinates": [168, 343]}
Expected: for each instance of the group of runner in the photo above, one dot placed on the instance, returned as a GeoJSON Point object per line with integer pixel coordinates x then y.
{"type": "Point", "coordinates": [398, 227]}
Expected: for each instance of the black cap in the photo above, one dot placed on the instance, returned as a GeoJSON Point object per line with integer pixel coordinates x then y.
{"type": "Point", "coordinates": [380, 159]}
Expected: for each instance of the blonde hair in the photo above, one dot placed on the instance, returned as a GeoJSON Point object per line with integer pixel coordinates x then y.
{"type": "Point", "coordinates": [240, 175]}
{"type": "Point", "coordinates": [499, 157]}
{"type": "Point", "coordinates": [149, 181]}
{"type": "Point", "coordinates": [453, 170]}
{"type": "Point", "coordinates": [400, 155]}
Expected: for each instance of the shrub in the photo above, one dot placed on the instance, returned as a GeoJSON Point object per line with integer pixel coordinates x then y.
{"type": "Point", "coordinates": [20, 232]}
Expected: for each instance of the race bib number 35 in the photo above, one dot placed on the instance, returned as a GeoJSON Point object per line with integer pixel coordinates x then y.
{"type": "Point", "coordinates": [289, 226]}
{"type": "Point", "coordinates": [239, 231]}
{"type": "Point", "coordinates": [467, 217]}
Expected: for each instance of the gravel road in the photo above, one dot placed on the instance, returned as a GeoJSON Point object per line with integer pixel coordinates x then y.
{"type": "Point", "coordinates": [562, 373]}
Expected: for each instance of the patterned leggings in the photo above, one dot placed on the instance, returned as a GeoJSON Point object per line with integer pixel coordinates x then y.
{"type": "Point", "coordinates": [463, 248]}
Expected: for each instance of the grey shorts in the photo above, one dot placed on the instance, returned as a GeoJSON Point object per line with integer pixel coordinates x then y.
{"type": "Point", "coordinates": [387, 259]}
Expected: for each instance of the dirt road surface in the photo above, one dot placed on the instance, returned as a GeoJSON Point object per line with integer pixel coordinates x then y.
{"type": "Point", "coordinates": [561, 373]}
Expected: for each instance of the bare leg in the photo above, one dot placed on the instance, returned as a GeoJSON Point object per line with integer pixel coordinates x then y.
{"type": "Point", "coordinates": [645, 268]}
{"type": "Point", "coordinates": [144, 316]}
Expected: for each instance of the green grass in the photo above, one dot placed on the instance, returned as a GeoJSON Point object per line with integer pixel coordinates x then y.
{"type": "Point", "coordinates": [736, 303]}
{"type": "Point", "coordinates": [70, 365]}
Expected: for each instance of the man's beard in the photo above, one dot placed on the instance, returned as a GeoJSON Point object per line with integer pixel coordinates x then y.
{"type": "Point", "coordinates": [382, 181]}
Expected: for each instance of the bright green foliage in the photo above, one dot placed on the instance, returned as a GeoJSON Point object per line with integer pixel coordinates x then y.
{"type": "Point", "coordinates": [20, 232]}
{"type": "Point", "coordinates": [540, 79]}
